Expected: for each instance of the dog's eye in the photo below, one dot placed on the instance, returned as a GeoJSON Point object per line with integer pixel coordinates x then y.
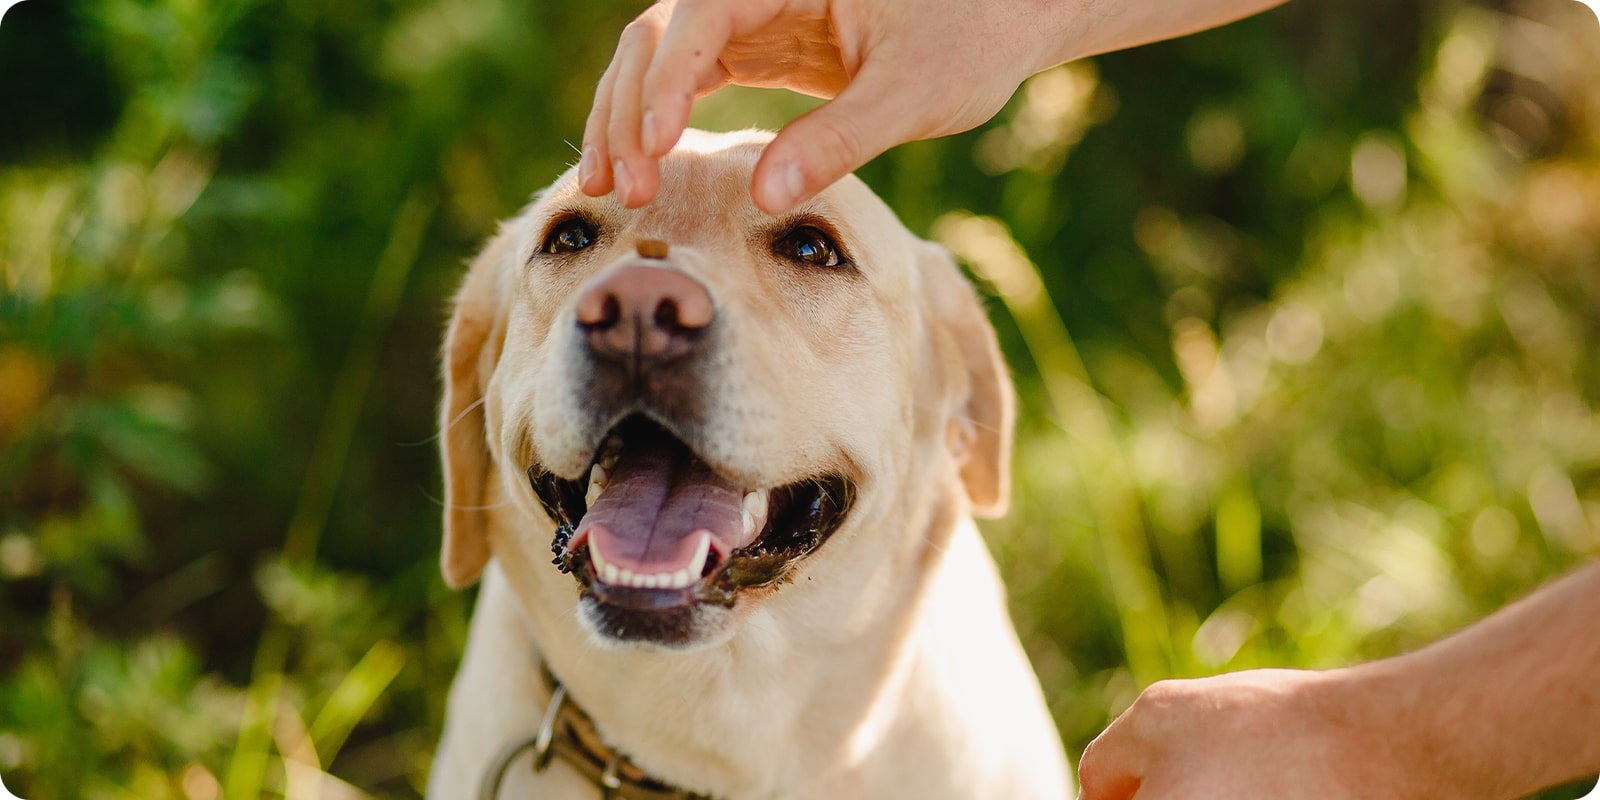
{"type": "Point", "coordinates": [569, 236]}
{"type": "Point", "coordinates": [809, 245]}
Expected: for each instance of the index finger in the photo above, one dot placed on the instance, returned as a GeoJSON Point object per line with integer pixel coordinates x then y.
{"type": "Point", "coordinates": [686, 63]}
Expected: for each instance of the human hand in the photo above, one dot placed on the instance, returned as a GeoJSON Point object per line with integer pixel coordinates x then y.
{"type": "Point", "coordinates": [1257, 735]}
{"type": "Point", "coordinates": [895, 70]}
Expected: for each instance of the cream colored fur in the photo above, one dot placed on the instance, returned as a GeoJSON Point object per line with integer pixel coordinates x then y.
{"type": "Point", "coordinates": [889, 667]}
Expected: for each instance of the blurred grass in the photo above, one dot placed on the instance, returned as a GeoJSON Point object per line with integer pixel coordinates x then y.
{"type": "Point", "coordinates": [1303, 314]}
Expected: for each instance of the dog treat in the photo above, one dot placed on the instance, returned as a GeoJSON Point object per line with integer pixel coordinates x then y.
{"type": "Point", "coordinates": [652, 248]}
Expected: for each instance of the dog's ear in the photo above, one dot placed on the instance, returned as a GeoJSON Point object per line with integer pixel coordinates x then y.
{"type": "Point", "coordinates": [471, 349]}
{"type": "Point", "coordinates": [984, 408]}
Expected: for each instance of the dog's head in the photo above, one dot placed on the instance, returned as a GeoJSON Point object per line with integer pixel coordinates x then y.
{"type": "Point", "coordinates": [694, 403]}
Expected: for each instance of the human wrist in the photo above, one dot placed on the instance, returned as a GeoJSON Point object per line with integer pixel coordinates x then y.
{"type": "Point", "coordinates": [1406, 714]}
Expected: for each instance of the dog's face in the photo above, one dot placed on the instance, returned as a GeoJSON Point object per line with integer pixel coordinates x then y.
{"type": "Point", "coordinates": [694, 403]}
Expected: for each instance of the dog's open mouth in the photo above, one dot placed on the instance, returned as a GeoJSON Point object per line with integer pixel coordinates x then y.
{"type": "Point", "coordinates": [654, 527]}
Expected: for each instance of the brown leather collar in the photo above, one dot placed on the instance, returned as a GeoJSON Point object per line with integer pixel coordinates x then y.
{"type": "Point", "coordinates": [567, 732]}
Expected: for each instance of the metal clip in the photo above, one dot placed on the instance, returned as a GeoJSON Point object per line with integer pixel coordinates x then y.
{"type": "Point", "coordinates": [609, 782]}
{"type": "Point", "coordinates": [542, 751]}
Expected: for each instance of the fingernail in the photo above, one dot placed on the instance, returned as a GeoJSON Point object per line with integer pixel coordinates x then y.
{"type": "Point", "coordinates": [647, 132]}
{"type": "Point", "coordinates": [587, 165]}
{"type": "Point", "coordinates": [619, 176]}
{"type": "Point", "coordinates": [785, 186]}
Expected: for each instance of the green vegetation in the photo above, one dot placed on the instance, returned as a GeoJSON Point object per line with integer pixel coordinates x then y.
{"type": "Point", "coordinates": [1303, 312]}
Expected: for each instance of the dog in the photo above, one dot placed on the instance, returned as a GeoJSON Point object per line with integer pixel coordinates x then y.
{"type": "Point", "coordinates": [753, 446]}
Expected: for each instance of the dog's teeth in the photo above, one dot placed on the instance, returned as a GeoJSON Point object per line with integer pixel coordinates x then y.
{"type": "Point", "coordinates": [613, 576]}
{"type": "Point", "coordinates": [756, 503]}
{"type": "Point", "coordinates": [597, 484]}
{"type": "Point", "coordinates": [626, 576]}
{"type": "Point", "coordinates": [680, 578]}
{"type": "Point", "coordinates": [754, 512]}
{"type": "Point", "coordinates": [599, 560]}
{"type": "Point", "coordinates": [702, 549]}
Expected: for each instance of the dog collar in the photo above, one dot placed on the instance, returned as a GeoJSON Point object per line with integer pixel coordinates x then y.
{"type": "Point", "coordinates": [567, 732]}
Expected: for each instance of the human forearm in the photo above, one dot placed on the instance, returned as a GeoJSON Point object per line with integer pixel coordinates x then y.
{"type": "Point", "coordinates": [1091, 27]}
{"type": "Point", "coordinates": [1507, 706]}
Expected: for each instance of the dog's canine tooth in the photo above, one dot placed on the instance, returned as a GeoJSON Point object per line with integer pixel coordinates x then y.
{"type": "Point", "coordinates": [755, 503]}
{"type": "Point", "coordinates": [599, 560]}
{"type": "Point", "coordinates": [597, 484]}
{"type": "Point", "coordinates": [702, 550]}
{"type": "Point", "coordinates": [753, 511]}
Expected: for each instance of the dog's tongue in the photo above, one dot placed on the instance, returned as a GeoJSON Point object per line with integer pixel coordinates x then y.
{"type": "Point", "coordinates": [656, 501]}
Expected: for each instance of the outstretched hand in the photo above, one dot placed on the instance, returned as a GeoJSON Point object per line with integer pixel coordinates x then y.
{"type": "Point", "coordinates": [894, 70]}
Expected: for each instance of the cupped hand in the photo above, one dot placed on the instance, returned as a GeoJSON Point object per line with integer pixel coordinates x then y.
{"type": "Point", "coordinates": [894, 70]}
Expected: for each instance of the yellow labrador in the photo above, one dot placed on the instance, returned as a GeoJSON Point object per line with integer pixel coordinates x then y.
{"type": "Point", "coordinates": [752, 446]}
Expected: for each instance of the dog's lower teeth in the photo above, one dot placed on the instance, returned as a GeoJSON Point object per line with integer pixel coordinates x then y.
{"type": "Point", "coordinates": [702, 551]}
{"type": "Point", "coordinates": [690, 573]}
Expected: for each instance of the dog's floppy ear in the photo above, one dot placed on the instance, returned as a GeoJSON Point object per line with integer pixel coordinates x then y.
{"type": "Point", "coordinates": [984, 408]}
{"type": "Point", "coordinates": [471, 349]}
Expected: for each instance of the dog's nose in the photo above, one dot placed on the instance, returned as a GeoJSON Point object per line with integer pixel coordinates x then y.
{"type": "Point", "coordinates": [651, 313]}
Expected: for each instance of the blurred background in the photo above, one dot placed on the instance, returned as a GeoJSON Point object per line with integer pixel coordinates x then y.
{"type": "Point", "coordinates": [1304, 314]}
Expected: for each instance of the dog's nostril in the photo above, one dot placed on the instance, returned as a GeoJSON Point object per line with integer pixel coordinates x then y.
{"type": "Point", "coordinates": [610, 311]}
{"type": "Point", "coordinates": [667, 314]}
{"type": "Point", "coordinates": [599, 312]}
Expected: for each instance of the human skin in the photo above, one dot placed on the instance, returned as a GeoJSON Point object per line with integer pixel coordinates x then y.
{"type": "Point", "coordinates": [894, 71]}
{"type": "Point", "coordinates": [1502, 709]}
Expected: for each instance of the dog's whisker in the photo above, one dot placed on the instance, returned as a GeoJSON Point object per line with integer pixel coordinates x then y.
{"type": "Point", "coordinates": [473, 406]}
{"type": "Point", "coordinates": [981, 425]}
{"type": "Point", "coordinates": [445, 504]}
{"type": "Point", "coordinates": [451, 424]}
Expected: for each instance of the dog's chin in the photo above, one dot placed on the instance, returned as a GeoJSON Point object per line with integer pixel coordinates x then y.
{"type": "Point", "coordinates": [683, 628]}
{"type": "Point", "coordinates": [663, 547]}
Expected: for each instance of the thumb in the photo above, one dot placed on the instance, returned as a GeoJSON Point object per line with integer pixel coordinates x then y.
{"type": "Point", "coordinates": [870, 116]}
{"type": "Point", "coordinates": [1107, 771]}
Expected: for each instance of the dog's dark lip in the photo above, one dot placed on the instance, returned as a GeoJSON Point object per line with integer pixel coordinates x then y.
{"type": "Point", "coordinates": [804, 514]}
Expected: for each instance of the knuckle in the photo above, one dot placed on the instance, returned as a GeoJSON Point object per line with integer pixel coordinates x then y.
{"type": "Point", "coordinates": [840, 141]}
{"type": "Point", "coordinates": [1161, 693]}
{"type": "Point", "coordinates": [646, 27]}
